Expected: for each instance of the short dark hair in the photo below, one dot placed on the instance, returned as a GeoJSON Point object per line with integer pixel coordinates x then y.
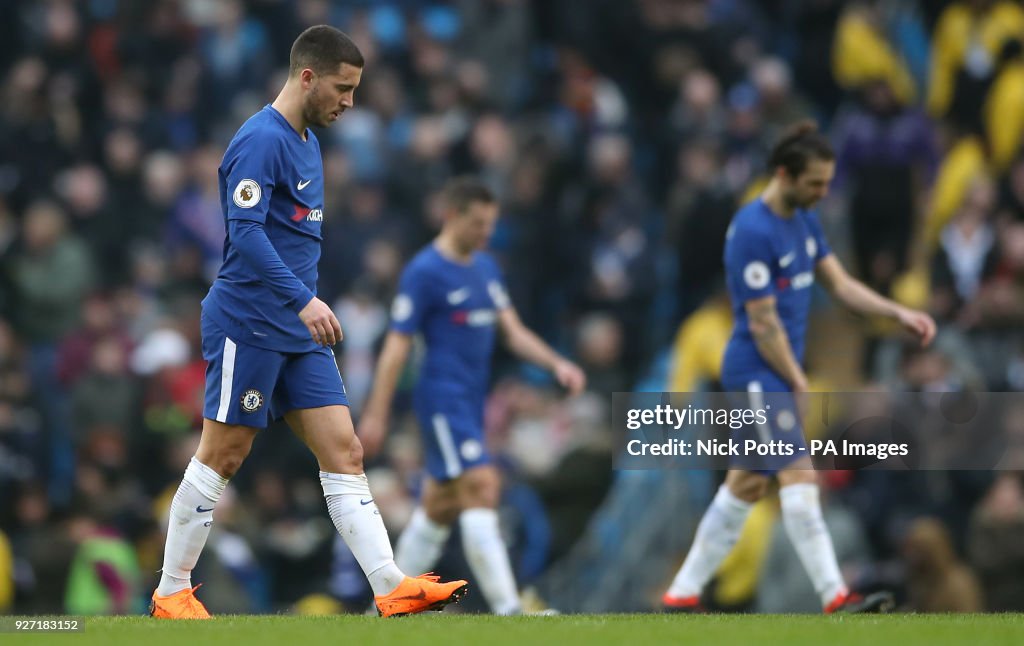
{"type": "Point", "coordinates": [459, 192]}
{"type": "Point", "coordinates": [323, 48]}
{"type": "Point", "coordinates": [798, 146]}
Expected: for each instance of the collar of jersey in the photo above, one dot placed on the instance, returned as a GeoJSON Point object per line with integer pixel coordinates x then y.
{"type": "Point", "coordinates": [280, 117]}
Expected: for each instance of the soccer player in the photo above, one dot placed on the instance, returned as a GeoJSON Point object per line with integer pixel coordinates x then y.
{"type": "Point", "coordinates": [268, 338]}
{"type": "Point", "coordinates": [452, 294]}
{"type": "Point", "coordinates": [774, 250]}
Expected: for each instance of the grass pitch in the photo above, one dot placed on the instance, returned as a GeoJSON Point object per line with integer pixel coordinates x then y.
{"type": "Point", "coordinates": [565, 630]}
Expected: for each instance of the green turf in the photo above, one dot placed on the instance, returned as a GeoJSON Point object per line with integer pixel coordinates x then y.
{"type": "Point", "coordinates": [565, 630]}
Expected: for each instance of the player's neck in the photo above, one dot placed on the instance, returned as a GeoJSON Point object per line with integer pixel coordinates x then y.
{"type": "Point", "coordinates": [772, 196]}
{"type": "Point", "coordinates": [448, 249]}
{"type": "Point", "coordinates": [289, 104]}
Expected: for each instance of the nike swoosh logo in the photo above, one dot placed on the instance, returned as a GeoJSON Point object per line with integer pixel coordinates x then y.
{"type": "Point", "coordinates": [200, 510]}
{"type": "Point", "coordinates": [459, 295]}
{"type": "Point", "coordinates": [302, 185]}
{"type": "Point", "coordinates": [786, 260]}
{"type": "Point", "coordinates": [415, 597]}
{"type": "Point", "coordinates": [366, 502]}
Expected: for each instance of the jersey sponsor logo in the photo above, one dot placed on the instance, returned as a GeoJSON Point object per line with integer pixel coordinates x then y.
{"type": "Point", "coordinates": [498, 294]}
{"type": "Point", "coordinates": [787, 260]}
{"type": "Point", "coordinates": [310, 215]}
{"type": "Point", "coordinates": [475, 318]}
{"type": "Point", "coordinates": [802, 280]}
{"type": "Point", "coordinates": [301, 185]}
{"type": "Point", "coordinates": [251, 400]}
{"type": "Point", "coordinates": [756, 275]}
{"type": "Point", "coordinates": [246, 194]}
{"type": "Point", "coordinates": [812, 247]}
{"type": "Point", "coordinates": [458, 296]}
{"type": "Point", "coordinates": [401, 307]}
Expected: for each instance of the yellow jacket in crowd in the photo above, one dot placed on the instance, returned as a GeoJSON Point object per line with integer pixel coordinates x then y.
{"type": "Point", "coordinates": [959, 30]}
{"type": "Point", "coordinates": [861, 53]}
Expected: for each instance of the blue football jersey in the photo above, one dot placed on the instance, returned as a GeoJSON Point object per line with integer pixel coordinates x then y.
{"type": "Point", "coordinates": [455, 307]}
{"type": "Point", "coordinates": [768, 255]}
{"type": "Point", "coordinates": [269, 175]}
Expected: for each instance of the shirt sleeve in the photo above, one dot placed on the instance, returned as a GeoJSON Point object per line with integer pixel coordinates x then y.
{"type": "Point", "coordinates": [496, 286]}
{"type": "Point", "coordinates": [411, 303]}
{"type": "Point", "coordinates": [750, 263]}
{"type": "Point", "coordinates": [249, 178]}
{"type": "Point", "coordinates": [251, 241]}
{"type": "Point", "coordinates": [819, 249]}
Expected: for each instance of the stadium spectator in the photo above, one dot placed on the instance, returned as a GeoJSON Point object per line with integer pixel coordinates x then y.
{"type": "Point", "coordinates": [994, 547]}
{"type": "Point", "coordinates": [106, 394]}
{"type": "Point", "coordinates": [967, 255]}
{"type": "Point", "coordinates": [938, 581]}
{"type": "Point", "coordinates": [968, 41]}
{"type": "Point", "coordinates": [886, 162]}
{"type": "Point", "coordinates": [863, 54]}
{"type": "Point", "coordinates": [105, 577]}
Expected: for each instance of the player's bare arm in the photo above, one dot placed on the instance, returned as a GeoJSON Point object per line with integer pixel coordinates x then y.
{"type": "Point", "coordinates": [862, 299]}
{"type": "Point", "coordinates": [525, 344]}
{"type": "Point", "coordinates": [373, 423]}
{"type": "Point", "coordinates": [772, 342]}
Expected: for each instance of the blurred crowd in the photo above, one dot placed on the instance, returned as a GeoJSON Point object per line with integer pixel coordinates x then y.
{"type": "Point", "coordinates": [620, 136]}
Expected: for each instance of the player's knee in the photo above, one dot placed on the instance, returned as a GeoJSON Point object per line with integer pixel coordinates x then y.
{"type": "Point", "coordinates": [479, 489]}
{"type": "Point", "coordinates": [441, 511]}
{"type": "Point", "coordinates": [750, 489]}
{"type": "Point", "coordinates": [479, 498]}
{"type": "Point", "coordinates": [228, 461]}
{"type": "Point", "coordinates": [225, 448]}
{"type": "Point", "coordinates": [352, 454]}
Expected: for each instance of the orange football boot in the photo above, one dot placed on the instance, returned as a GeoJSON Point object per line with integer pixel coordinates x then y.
{"type": "Point", "coordinates": [180, 605]}
{"type": "Point", "coordinates": [877, 602]}
{"type": "Point", "coordinates": [420, 594]}
{"type": "Point", "coordinates": [682, 604]}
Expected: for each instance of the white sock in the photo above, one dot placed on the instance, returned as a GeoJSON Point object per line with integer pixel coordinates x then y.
{"type": "Point", "coordinates": [801, 513]}
{"type": "Point", "coordinates": [189, 524]}
{"type": "Point", "coordinates": [358, 520]}
{"type": "Point", "coordinates": [718, 531]}
{"type": "Point", "coordinates": [488, 558]}
{"type": "Point", "coordinates": [421, 543]}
